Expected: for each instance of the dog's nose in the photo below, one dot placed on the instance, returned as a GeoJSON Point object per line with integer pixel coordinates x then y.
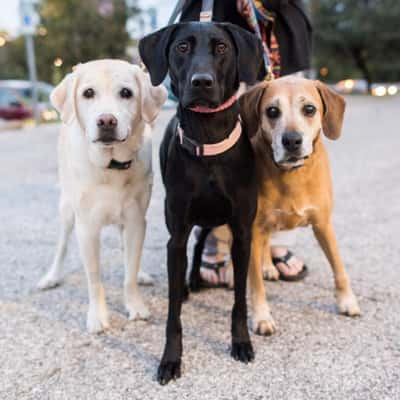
{"type": "Point", "coordinates": [292, 141]}
{"type": "Point", "coordinates": [107, 121]}
{"type": "Point", "coordinates": [202, 81]}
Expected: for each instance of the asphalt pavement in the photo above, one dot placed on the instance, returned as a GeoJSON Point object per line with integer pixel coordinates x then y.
{"type": "Point", "coordinates": [45, 352]}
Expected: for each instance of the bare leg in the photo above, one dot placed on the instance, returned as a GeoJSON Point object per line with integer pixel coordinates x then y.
{"type": "Point", "coordinates": [263, 323]}
{"type": "Point", "coordinates": [89, 245]}
{"type": "Point", "coordinates": [53, 277]}
{"type": "Point", "coordinates": [345, 298]}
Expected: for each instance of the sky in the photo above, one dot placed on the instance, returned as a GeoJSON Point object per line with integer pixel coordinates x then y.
{"type": "Point", "coordinates": [9, 17]}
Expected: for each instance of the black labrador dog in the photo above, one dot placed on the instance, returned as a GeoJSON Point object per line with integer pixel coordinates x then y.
{"type": "Point", "coordinates": [206, 62]}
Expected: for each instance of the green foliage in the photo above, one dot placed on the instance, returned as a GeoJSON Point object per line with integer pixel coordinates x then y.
{"type": "Point", "coordinates": [361, 35]}
{"type": "Point", "coordinates": [75, 31]}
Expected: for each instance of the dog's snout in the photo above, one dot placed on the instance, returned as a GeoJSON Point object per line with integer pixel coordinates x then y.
{"type": "Point", "coordinates": [292, 141]}
{"type": "Point", "coordinates": [202, 81]}
{"type": "Point", "coordinates": [107, 121]}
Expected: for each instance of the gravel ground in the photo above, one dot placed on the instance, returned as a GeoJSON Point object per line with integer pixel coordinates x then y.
{"type": "Point", "coordinates": [316, 354]}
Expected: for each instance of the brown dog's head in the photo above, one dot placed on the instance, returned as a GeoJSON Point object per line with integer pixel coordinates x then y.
{"type": "Point", "coordinates": [290, 113]}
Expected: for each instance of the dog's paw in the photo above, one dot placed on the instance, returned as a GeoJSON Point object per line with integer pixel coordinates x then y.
{"type": "Point", "coordinates": [168, 370]}
{"type": "Point", "coordinates": [243, 352]}
{"type": "Point", "coordinates": [264, 324]}
{"type": "Point", "coordinates": [145, 279]}
{"type": "Point", "coordinates": [49, 281]}
{"type": "Point", "coordinates": [137, 310]}
{"type": "Point", "coordinates": [97, 322]}
{"type": "Point", "coordinates": [347, 304]}
{"type": "Point", "coordinates": [270, 273]}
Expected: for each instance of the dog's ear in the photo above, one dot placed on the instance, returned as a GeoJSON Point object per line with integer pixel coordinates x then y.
{"type": "Point", "coordinates": [249, 52]}
{"type": "Point", "coordinates": [250, 104]}
{"type": "Point", "coordinates": [153, 50]}
{"type": "Point", "coordinates": [152, 97]}
{"type": "Point", "coordinates": [334, 107]}
{"type": "Point", "coordinates": [63, 97]}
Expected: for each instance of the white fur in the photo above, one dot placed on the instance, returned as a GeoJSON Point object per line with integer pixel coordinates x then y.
{"type": "Point", "coordinates": [92, 195]}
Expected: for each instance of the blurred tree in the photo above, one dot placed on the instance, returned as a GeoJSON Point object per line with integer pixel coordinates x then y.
{"type": "Point", "coordinates": [358, 34]}
{"type": "Point", "coordinates": [13, 60]}
{"type": "Point", "coordinates": [73, 31]}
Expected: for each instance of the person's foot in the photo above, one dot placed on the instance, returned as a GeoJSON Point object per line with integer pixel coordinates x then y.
{"type": "Point", "coordinates": [287, 264]}
{"type": "Point", "coordinates": [218, 274]}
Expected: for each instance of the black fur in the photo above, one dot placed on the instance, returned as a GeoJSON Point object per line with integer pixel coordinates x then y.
{"type": "Point", "coordinates": [205, 191]}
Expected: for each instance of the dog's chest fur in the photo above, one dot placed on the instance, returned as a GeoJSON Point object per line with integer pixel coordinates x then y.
{"type": "Point", "coordinates": [295, 198]}
{"type": "Point", "coordinates": [209, 191]}
{"type": "Point", "coordinates": [100, 195]}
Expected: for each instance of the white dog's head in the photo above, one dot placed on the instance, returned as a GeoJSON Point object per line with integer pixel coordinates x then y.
{"type": "Point", "coordinates": [107, 98]}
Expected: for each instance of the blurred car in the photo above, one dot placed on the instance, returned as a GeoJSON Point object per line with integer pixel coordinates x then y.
{"type": "Point", "coordinates": [355, 86]}
{"type": "Point", "coordinates": [22, 89]}
{"type": "Point", "coordinates": [12, 106]}
{"type": "Point", "coordinates": [360, 86]}
{"type": "Point", "coordinates": [385, 89]}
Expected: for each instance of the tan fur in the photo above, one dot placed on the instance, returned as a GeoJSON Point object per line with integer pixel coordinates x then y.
{"type": "Point", "coordinates": [290, 198]}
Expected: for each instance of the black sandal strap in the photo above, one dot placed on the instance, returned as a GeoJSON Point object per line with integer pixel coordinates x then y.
{"type": "Point", "coordinates": [213, 266]}
{"type": "Point", "coordinates": [284, 259]}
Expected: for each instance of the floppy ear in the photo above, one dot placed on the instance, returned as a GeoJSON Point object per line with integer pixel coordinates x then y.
{"type": "Point", "coordinates": [249, 52]}
{"type": "Point", "coordinates": [152, 97]}
{"type": "Point", "coordinates": [153, 50]}
{"type": "Point", "coordinates": [334, 106]}
{"type": "Point", "coordinates": [63, 98]}
{"type": "Point", "coordinates": [250, 103]}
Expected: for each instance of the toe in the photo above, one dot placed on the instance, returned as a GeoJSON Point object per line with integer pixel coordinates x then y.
{"type": "Point", "coordinates": [168, 371]}
{"type": "Point", "coordinates": [242, 352]}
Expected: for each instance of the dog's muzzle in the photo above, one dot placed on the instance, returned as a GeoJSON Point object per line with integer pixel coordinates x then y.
{"type": "Point", "coordinates": [107, 125]}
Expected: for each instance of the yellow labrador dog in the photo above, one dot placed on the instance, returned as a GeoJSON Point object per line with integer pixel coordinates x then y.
{"type": "Point", "coordinates": [105, 172]}
{"type": "Point", "coordinates": [288, 116]}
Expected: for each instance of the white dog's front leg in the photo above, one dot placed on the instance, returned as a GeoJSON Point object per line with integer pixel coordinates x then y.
{"type": "Point", "coordinates": [89, 245]}
{"type": "Point", "coordinates": [133, 235]}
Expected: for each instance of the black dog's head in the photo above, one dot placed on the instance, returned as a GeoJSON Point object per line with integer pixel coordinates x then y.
{"type": "Point", "coordinates": [206, 61]}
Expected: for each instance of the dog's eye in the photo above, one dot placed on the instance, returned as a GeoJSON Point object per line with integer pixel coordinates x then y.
{"type": "Point", "coordinates": [220, 48]}
{"type": "Point", "coordinates": [183, 47]}
{"type": "Point", "coordinates": [88, 93]}
{"type": "Point", "coordinates": [273, 112]}
{"type": "Point", "coordinates": [309, 110]}
{"type": "Point", "coordinates": [126, 93]}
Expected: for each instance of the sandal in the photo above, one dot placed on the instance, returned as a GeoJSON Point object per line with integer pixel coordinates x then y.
{"type": "Point", "coordinates": [284, 260]}
{"type": "Point", "coordinates": [214, 267]}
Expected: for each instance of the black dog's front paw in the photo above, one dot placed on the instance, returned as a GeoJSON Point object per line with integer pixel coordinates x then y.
{"type": "Point", "coordinates": [168, 370]}
{"type": "Point", "coordinates": [243, 352]}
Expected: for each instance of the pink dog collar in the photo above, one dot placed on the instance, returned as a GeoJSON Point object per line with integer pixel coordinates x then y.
{"type": "Point", "coordinates": [222, 107]}
{"type": "Point", "coordinates": [214, 149]}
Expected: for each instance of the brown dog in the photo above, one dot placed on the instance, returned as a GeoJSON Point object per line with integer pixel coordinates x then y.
{"type": "Point", "coordinates": [288, 115]}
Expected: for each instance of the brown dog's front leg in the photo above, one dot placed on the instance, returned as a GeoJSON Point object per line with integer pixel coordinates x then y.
{"type": "Point", "coordinates": [345, 299]}
{"type": "Point", "coordinates": [263, 323]}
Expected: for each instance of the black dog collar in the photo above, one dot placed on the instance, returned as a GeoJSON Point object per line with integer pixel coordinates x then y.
{"type": "Point", "coordinates": [114, 164]}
